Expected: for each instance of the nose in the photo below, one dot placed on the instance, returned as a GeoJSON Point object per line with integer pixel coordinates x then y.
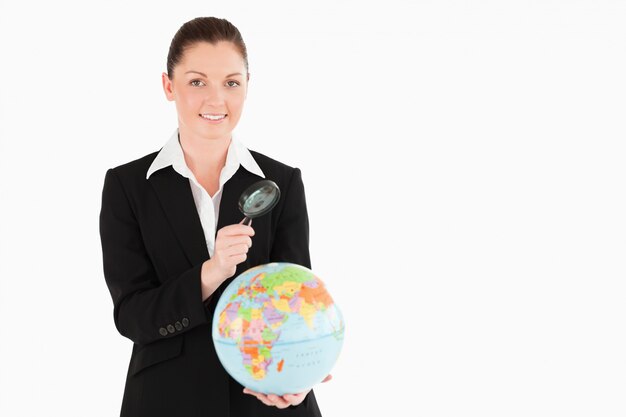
{"type": "Point", "coordinates": [214, 95]}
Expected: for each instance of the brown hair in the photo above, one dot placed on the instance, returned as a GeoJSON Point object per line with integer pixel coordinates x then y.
{"type": "Point", "coordinates": [204, 29]}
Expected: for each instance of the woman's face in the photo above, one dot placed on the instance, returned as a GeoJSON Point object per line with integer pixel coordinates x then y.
{"type": "Point", "coordinates": [208, 80]}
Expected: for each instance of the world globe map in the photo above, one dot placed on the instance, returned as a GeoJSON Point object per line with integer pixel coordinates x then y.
{"type": "Point", "coordinates": [277, 330]}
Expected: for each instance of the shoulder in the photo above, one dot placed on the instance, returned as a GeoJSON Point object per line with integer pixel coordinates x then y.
{"type": "Point", "coordinates": [273, 168]}
{"type": "Point", "coordinates": [135, 170]}
{"type": "Point", "coordinates": [136, 166]}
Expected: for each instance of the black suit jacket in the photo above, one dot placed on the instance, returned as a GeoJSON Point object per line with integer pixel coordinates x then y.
{"type": "Point", "coordinates": [153, 248]}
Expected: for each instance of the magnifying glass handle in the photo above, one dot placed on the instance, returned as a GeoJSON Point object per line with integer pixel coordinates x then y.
{"type": "Point", "coordinates": [246, 220]}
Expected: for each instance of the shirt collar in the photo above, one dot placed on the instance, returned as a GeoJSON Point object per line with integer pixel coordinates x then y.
{"type": "Point", "coordinates": [172, 154]}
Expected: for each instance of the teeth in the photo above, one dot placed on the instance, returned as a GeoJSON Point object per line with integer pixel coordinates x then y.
{"type": "Point", "coordinates": [212, 117]}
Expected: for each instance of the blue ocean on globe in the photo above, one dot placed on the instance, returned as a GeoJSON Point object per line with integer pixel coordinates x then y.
{"type": "Point", "coordinates": [277, 330]}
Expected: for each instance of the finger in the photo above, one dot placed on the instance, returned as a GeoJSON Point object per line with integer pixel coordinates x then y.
{"type": "Point", "coordinates": [237, 259]}
{"type": "Point", "coordinates": [328, 378]}
{"type": "Point", "coordinates": [258, 395]}
{"type": "Point", "coordinates": [295, 399]}
{"type": "Point", "coordinates": [263, 398]}
{"type": "Point", "coordinates": [278, 401]}
{"type": "Point", "coordinates": [226, 241]}
{"type": "Point", "coordinates": [235, 250]}
{"type": "Point", "coordinates": [249, 391]}
{"type": "Point", "coordinates": [236, 229]}
{"type": "Point", "coordinates": [245, 241]}
{"type": "Point", "coordinates": [238, 248]}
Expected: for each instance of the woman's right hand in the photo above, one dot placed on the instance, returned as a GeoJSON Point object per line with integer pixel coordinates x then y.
{"type": "Point", "coordinates": [231, 247]}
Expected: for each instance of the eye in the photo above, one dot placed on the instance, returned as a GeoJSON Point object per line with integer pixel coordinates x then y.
{"type": "Point", "coordinates": [195, 81]}
{"type": "Point", "coordinates": [231, 81]}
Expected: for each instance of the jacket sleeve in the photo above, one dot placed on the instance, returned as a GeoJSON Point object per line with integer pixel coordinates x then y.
{"type": "Point", "coordinates": [144, 309]}
{"type": "Point", "coordinates": [291, 242]}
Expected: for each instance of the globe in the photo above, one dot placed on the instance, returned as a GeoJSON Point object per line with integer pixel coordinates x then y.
{"type": "Point", "coordinates": [277, 330]}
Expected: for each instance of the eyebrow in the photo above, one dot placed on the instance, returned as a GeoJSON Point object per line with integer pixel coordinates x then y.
{"type": "Point", "coordinates": [204, 75]}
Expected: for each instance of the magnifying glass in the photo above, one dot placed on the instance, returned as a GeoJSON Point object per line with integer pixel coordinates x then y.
{"type": "Point", "coordinates": [258, 199]}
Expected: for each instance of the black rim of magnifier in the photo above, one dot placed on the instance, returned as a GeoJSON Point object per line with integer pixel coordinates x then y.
{"type": "Point", "coordinates": [254, 187]}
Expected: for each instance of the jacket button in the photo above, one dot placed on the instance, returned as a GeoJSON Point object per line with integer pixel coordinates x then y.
{"type": "Point", "coordinates": [163, 331]}
{"type": "Point", "coordinates": [170, 328]}
{"type": "Point", "coordinates": [178, 326]}
{"type": "Point", "coordinates": [185, 321]}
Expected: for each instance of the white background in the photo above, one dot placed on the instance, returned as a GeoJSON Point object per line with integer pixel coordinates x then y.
{"type": "Point", "coordinates": [464, 166]}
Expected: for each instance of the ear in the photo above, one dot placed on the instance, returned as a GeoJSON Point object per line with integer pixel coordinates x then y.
{"type": "Point", "coordinates": [168, 87]}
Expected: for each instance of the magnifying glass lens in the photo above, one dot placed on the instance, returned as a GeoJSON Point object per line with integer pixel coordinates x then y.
{"type": "Point", "coordinates": [259, 199]}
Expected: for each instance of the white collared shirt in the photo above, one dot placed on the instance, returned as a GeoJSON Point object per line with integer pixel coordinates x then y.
{"type": "Point", "coordinates": [172, 154]}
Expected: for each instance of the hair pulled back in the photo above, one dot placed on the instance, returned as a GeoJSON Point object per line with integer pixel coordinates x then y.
{"type": "Point", "coordinates": [203, 29]}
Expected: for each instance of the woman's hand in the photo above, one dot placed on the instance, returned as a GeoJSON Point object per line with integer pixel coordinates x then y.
{"type": "Point", "coordinates": [232, 243]}
{"type": "Point", "coordinates": [283, 401]}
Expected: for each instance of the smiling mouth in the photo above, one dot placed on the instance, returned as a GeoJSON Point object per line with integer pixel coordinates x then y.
{"type": "Point", "coordinates": [213, 116]}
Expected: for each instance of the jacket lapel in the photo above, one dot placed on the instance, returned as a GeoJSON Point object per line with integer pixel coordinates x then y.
{"type": "Point", "coordinates": [174, 192]}
{"type": "Point", "coordinates": [229, 204]}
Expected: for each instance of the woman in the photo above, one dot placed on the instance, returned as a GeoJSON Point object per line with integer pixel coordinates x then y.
{"type": "Point", "coordinates": [165, 265]}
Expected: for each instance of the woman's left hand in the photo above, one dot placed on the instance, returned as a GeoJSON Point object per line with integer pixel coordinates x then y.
{"type": "Point", "coordinates": [281, 401]}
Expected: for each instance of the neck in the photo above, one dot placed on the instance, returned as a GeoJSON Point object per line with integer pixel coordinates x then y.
{"type": "Point", "coordinates": [204, 156]}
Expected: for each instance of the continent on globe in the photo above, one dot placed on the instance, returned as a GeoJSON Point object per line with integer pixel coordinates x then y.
{"type": "Point", "coordinates": [278, 313]}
